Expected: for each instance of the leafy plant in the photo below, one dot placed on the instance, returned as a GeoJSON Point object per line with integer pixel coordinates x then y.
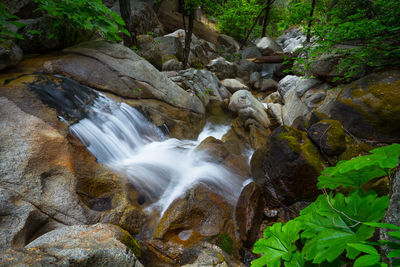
{"type": "Point", "coordinates": [7, 20]}
{"type": "Point", "coordinates": [337, 226]}
{"type": "Point", "coordinates": [87, 15]}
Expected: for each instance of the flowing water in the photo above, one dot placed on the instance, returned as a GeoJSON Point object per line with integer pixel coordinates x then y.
{"type": "Point", "coordinates": [161, 169]}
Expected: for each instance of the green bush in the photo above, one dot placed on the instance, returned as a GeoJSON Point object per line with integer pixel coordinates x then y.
{"type": "Point", "coordinates": [337, 227]}
{"type": "Point", "coordinates": [86, 15]}
{"type": "Point", "coordinates": [7, 20]}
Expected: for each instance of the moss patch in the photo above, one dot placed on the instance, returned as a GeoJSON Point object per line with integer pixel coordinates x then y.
{"type": "Point", "coordinates": [377, 99]}
{"type": "Point", "coordinates": [167, 57]}
{"type": "Point", "coordinates": [300, 143]}
{"type": "Point", "coordinates": [130, 242]}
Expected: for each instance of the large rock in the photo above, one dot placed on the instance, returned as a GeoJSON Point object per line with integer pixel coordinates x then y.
{"type": "Point", "coordinates": [172, 65]}
{"type": "Point", "coordinates": [149, 49]}
{"type": "Point", "coordinates": [288, 83]}
{"type": "Point", "coordinates": [10, 54]}
{"type": "Point", "coordinates": [291, 40]}
{"type": "Point", "coordinates": [203, 83]}
{"type": "Point", "coordinates": [329, 136]}
{"type": "Point", "coordinates": [249, 212]}
{"type": "Point", "coordinates": [370, 107]}
{"type": "Point", "coordinates": [303, 85]}
{"type": "Point", "coordinates": [83, 245]}
{"type": "Point", "coordinates": [327, 68]}
{"type": "Point", "coordinates": [170, 45]}
{"type": "Point", "coordinates": [293, 108]}
{"type": "Point", "coordinates": [234, 85]}
{"type": "Point", "coordinates": [247, 106]}
{"type": "Point", "coordinates": [144, 19]}
{"type": "Point", "coordinates": [268, 85]}
{"type": "Point", "coordinates": [268, 46]}
{"type": "Point", "coordinates": [251, 52]}
{"type": "Point", "coordinates": [228, 44]}
{"type": "Point", "coordinates": [222, 68]}
{"type": "Point", "coordinates": [287, 167]}
{"type": "Point", "coordinates": [118, 70]}
{"type": "Point", "coordinates": [201, 51]}
{"type": "Point", "coordinates": [198, 215]}
{"type": "Point", "coordinates": [245, 68]}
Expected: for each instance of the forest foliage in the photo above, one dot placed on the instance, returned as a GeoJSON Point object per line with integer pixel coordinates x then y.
{"type": "Point", "coordinates": [339, 226]}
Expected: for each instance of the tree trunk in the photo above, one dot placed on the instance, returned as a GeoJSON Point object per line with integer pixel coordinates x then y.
{"type": "Point", "coordinates": [125, 7]}
{"type": "Point", "coordinates": [251, 29]}
{"type": "Point", "coordinates": [310, 21]}
{"type": "Point", "coordinates": [265, 22]}
{"type": "Point", "coordinates": [188, 38]}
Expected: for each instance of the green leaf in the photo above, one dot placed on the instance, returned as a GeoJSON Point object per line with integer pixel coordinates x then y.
{"type": "Point", "coordinates": [278, 244]}
{"type": "Point", "coordinates": [383, 225]}
{"type": "Point", "coordinates": [331, 223]}
{"type": "Point", "coordinates": [358, 171]}
{"type": "Point", "coordinates": [367, 260]}
{"type": "Point", "coordinates": [364, 248]}
{"type": "Point", "coordinates": [394, 253]}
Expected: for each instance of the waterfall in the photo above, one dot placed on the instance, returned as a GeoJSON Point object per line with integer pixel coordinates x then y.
{"type": "Point", "coordinates": [161, 169]}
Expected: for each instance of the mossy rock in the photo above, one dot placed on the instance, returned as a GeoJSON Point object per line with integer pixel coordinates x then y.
{"type": "Point", "coordinates": [287, 167]}
{"type": "Point", "coordinates": [370, 107]}
{"type": "Point", "coordinates": [329, 136]}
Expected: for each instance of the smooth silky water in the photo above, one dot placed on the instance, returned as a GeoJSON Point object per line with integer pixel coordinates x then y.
{"type": "Point", "coordinates": [161, 169]}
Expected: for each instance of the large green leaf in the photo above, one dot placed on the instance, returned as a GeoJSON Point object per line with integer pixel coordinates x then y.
{"type": "Point", "coordinates": [331, 223]}
{"type": "Point", "coordinates": [278, 245]}
{"type": "Point", "coordinates": [357, 171]}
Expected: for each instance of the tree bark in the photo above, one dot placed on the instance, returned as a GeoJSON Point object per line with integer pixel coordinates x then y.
{"type": "Point", "coordinates": [266, 17]}
{"type": "Point", "coordinates": [269, 59]}
{"type": "Point", "coordinates": [251, 29]}
{"type": "Point", "coordinates": [310, 21]}
{"type": "Point", "coordinates": [188, 38]}
{"type": "Point", "coordinates": [125, 7]}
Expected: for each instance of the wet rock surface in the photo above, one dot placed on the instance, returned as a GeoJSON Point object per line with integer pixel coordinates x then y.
{"type": "Point", "coordinates": [288, 159]}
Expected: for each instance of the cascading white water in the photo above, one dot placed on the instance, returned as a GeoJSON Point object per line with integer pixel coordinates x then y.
{"type": "Point", "coordinates": [162, 169]}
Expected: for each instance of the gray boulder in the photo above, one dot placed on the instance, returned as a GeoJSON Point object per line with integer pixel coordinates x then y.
{"type": "Point", "coordinates": [149, 49]}
{"type": "Point", "coordinates": [170, 45]}
{"type": "Point", "coordinates": [266, 85]}
{"type": "Point", "coordinates": [287, 84]}
{"type": "Point", "coordinates": [172, 65]}
{"type": "Point", "coordinates": [83, 245]}
{"type": "Point", "coordinates": [304, 85]}
{"type": "Point", "coordinates": [247, 106]}
{"type": "Point", "coordinates": [268, 46]}
{"type": "Point", "coordinates": [228, 43]}
{"type": "Point", "coordinates": [251, 52]}
{"type": "Point", "coordinates": [222, 68]}
{"type": "Point", "coordinates": [10, 54]}
{"type": "Point", "coordinates": [234, 85]}
{"type": "Point", "coordinates": [202, 83]}
{"type": "Point", "coordinates": [291, 40]}
{"type": "Point", "coordinates": [117, 69]}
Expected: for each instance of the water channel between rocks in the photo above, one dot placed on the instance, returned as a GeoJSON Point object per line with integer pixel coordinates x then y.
{"type": "Point", "coordinates": [160, 168]}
